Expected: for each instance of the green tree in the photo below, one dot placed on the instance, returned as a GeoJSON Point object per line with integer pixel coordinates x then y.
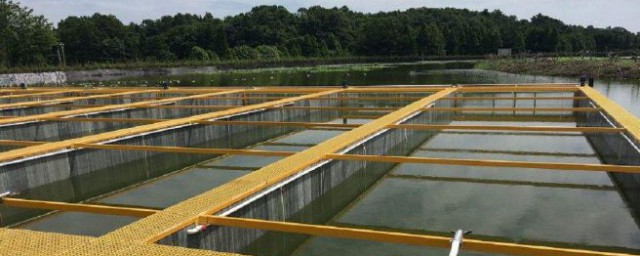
{"type": "Point", "coordinates": [336, 26]}
{"type": "Point", "coordinates": [243, 52]}
{"type": "Point", "coordinates": [430, 40]}
{"type": "Point", "coordinates": [263, 25]}
{"type": "Point", "coordinates": [268, 52]}
{"type": "Point", "coordinates": [25, 39]}
{"type": "Point", "coordinates": [97, 38]}
{"type": "Point", "coordinates": [272, 32]}
{"type": "Point", "coordinates": [198, 53]}
{"type": "Point", "coordinates": [309, 46]}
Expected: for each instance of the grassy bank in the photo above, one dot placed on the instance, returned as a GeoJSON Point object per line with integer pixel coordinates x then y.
{"type": "Point", "coordinates": [568, 66]}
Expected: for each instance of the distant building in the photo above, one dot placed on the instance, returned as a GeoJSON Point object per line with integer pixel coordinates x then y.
{"type": "Point", "coordinates": [504, 52]}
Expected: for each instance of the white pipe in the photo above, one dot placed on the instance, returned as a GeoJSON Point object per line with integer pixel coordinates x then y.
{"type": "Point", "coordinates": [195, 230]}
{"type": "Point", "coordinates": [5, 194]}
{"type": "Point", "coordinates": [456, 242]}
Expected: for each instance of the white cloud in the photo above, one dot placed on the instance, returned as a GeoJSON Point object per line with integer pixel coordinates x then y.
{"type": "Point", "coordinates": [600, 13]}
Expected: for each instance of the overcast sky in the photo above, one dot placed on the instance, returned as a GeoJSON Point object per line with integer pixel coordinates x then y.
{"type": "Point", "coordinates": [600, 13]}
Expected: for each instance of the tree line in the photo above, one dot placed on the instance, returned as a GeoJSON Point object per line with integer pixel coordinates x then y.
{"type": "Point", "coordinates": [273, 32]}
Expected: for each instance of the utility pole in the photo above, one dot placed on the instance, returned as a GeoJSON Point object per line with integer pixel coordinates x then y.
{"type": "Point", "coordinates": [62, 58]}
{"type": "Point", "coordinates": [59, 56]}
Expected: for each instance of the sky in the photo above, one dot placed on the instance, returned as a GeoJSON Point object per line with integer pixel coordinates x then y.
{"type": "Point", "coordinates": [600, 13]}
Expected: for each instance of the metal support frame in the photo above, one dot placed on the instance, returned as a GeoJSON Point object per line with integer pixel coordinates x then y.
{"type": "Point", "coordinates": [393, 98]}
{"type": "Point", "coordinates": [139, 236]}
{"type": "Point", "coordinates": [186, 150]}
{"type": "Point", "coordinates": [473, 109]}
{"type": "Point", "coordinates": [489, 163]}
{"type": "Point", "coordinates": [64, 145]}
{"type": "Point", "coordinates": [334, 125]}
{"type": "Point", "coordinates": [86, 111]}
{"type": "Point", "coordinates": [508, 128]}
{"type": "Point", "coordinates": [397, 237]}
{"type": "Point", "coordinates": [65, 100]}
{"type": "Point", "coordinates": [317, 230]}
{"type": "Point", "coordinates": [218, 107]}
{"type": "Point", "coordinates": [38, 94]}
{"type": "Point", "coordinates": [76, 207]}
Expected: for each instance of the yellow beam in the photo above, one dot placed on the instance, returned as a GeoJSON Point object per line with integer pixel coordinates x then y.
{"type": "Point", "coordinates": [248, 123]}
{"type": "Point", "coordinates": [205, 90]}
{"type": "Point", "coordinates": [513, 118]}
{"type": "Point", "coordinates": [185, 150]}
{"type": "Point", "coordinates": [40, 94]}
{"type": "Point", "coordinates": [63, 100]}
{"type": "Point", "coordinates": [338, 125]}
{"type": "Point", "coordinates": [215, 107]}
{"type": "Point", "coordinates": [104, 119]}
{"type": "Point", "coordinates": [489, 163]}
{"type": "Point", "coordinates": [286, 124]}
{"type": "Point", "coordinates": [620, 115]}
{"type": "Point", "coordinates": [461, 98]}
{"type": "Point", "coordinates": [74, 207]}
{"type": "Point", "coordinates": [398, 237]}
{"type": "Point", "coordinates": [489, 89]}
{"type": "Point", "coordinates": [19, 242]}
{"type": "Point", "coordinates": [341, 98]}
{"type": "Point", "coordinates": [55, 146]}
{"type": "Point", "coordinates": [32, 118]}
{"type": "Point", "coordinates": [233, 106]}
{"type": "Point", "coordinates": [470, 88]}
{"type": "Point", "coordinates": [345, 108]}
{"type": "Point", "coordinates": [399, 98]}
{"type": "Point", "coordinates": [362, 116]}
{"type": "Point", "coordinates": [20, 143]}
{"type": "Point", "coordinates": [374, 89]}
{"type": "Point", "coordinates": [27, 91]}
{"type": "Point", "coordinates": [508, 128]}
{"type": "Point", "coordinates": [446, 86]}
{"type": "Point", "coordinates": [476, 109]}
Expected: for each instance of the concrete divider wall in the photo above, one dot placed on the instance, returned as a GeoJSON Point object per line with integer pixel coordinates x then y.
{"type": "Point", "coordinates": [95, 172]}
{"type": "Point", "coordinates": [618, 149]}
{"type": "Point", "coordinates": [316, 197]}
{"type": "Point", "coordinates": [47, 78]}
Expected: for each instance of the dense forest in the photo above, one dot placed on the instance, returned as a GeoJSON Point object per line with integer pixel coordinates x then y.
{"type": "Point", "coordinates": [273, 32]}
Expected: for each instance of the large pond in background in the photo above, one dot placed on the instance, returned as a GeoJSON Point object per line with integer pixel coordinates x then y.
{"type": "Point", "coordinates": [624, 92]}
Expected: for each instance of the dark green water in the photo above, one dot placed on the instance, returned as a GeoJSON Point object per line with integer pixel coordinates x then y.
{"type": "Point", "coordinates": [625, 93]}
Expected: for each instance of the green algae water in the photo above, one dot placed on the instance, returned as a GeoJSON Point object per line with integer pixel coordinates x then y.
{"type": "Point", "coordinates": [624, 92]}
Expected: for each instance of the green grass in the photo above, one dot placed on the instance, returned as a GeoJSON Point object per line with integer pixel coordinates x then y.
{"type": "Point", "coordinates": [567, 66]}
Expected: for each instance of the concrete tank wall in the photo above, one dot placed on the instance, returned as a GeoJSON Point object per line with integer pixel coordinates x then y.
{"type": "Point", "coordinates": [617, 149]}
{"type": "Point", "coordinates": [315, 197]}
{"type": "Point", "coordinates": [88, 173]}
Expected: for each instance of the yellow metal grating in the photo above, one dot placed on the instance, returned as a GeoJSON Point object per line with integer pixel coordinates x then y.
{"type": "Point", "coordinates": [25, 242]}
{"type": "Point", "coordinates": [162, 250]}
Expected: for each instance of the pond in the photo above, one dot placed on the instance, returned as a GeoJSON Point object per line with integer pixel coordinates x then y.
{"type": "Point", "coordinates": [624, 92]}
